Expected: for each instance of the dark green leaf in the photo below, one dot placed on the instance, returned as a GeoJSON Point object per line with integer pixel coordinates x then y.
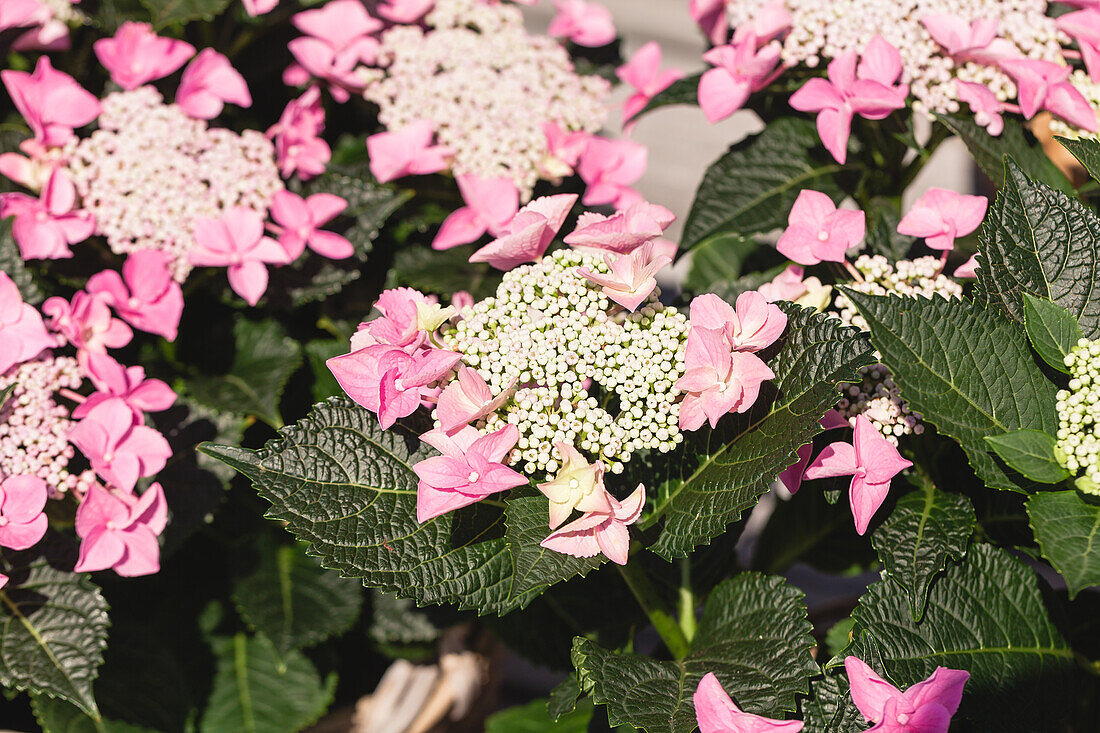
{"type": "Point", "coordinates": [1067, 528]}
{"type": "Point", "coordinates": [534, 567]}
{"type": "Point", "coordinates": [810, 529]}
{"type": "Point", "coordinates": [167, 12]}
{"type": "Point", "coordinates": [1052, 330]}
{"type": "Point", "coordinates": [318, 352]}
{"type": "Point", "coordinates": [398, 621]}
{"type": "Point", "coordinates": [444, 273]}
{"type": "Point", "coordinates": [966, 368]}
{"type": "Point", "coordinates": [563, 698]}
{"type": "Point", "coordinates": [329, 280]}
{"type": "Point", "coordinates": [12, 264]}
{"type": "Point", "coordinates": [882, 231]}
{"type": "Point", "coordinates": [989, 152]}
{"type": "Point", "coordinates": [830, 709]}
{"type": "Point", "coordinates": [717, 260]}
{"type": "Point", "coordinates": [56, 716]}
{"type": "Point", "coordinates": [1087, 152]}
{"type": "Point", "coordinates": [1030, 452]}
{"type": "Point", "coordinates": [533, 718]}
{"type": "Point", "coordinates": [681, 91]}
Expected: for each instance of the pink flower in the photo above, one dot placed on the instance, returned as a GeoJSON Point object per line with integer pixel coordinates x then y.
{"type": "Point", "coordinates": [563, 150]}
{"type": "Point", "coordinates": [119, 450]}
{"type": "Point", "coordinates": [1084, 27]}
{"type": "Point", "coordinates": [1045, 85]}
{"type": "Point", "coordinates": [259, 7]}
{"type": "Point", "coordinates": [583, 23]}
{"type": "Point", "coordinates": [467, 399]}
{"type": "Point", "coordinates": [407, 152]}
{"type": "Point", "coordinates": [622, 232]}
{"type": "Point", "coordinates": [983, 103]}
{"type": "Point", "coordinates": [358, 375]}
{"type": "Point", "coordinates": [717, 380]}
{"type": "Point", "coordinates": [490, 204]}
{"type": "Point", "coordinates": [926, 707]}
{"type": "Point", "coordinates": [236, 241]}
{"type": "Point", "coordinates": [51, 102]}
{"type": "Point", "coordinates": [791, 477]}
{"type": "Point", "coordinates": [145, 295]}
{"type": "Point", "coordinates": [18, 13]}
{"type": "Point", "coordinates": [868, 91]}
{"type": "Point", "coordinates": [526, 237]}
{"type": "Point", "coordinates": [609, 167]}
{"type": "Point", "coordinates": [112, 380]}
{"type": "Point", "coordinates": [337, 41]}
{"type": "Point", "coordinates": [632, 276]}
{"type": "Point", "coordinates": [768, 23]}
{"type": "Point", "coordinates": [404, 12]}
{"type": "Point", "coordinates": [86, 323]}
{"type": "Point", "coordinates": [789, 285]}
{"type": "Point", "coordinates": [818, 231]}
{"type": "Point", "coordinates": [119, 531]}
{"type": "Point", "coordinates": [739, 70]}
{"type": "Point", "coordinates": [298, 146]}
{"type": "Point", "coordinates": [400, 323]}
{"type": "Point", "coordinates": [966, 41]}
{"type": "Point", "coordinates": [941, 215]}
{"type": "Point", "coordinates": [44, 227]}
{"type": "Point", "coordinates": [643, 72]}
{"type": "Point", "coordinates": [578, 484]}
{"type": "Point", "coordinates": [717, 713]}
{"type": "Point", "coordinates": [710, 16]}
{"type": "Point", "coordinates": [207, 83]}
{"type": "Point", "coordinates": [22, 522]}
{"type": "Point", "coordinates": [753, 325]}
{"type": "Point", "coordinates": [405, 380]}
{"type": "Point", "coordinates": [600, 531]}
{"type": "Point", "coordinates": [871, 461]}
{"type": "Point", "coordinates": [22, 333]}
{"type": "Point", "coordinates": [470, 469]}
{"type": "Point", "coordinates": [136, 55]}
{"type": "Point", "coordinates": [968, 269]}
{"type": "Point", "coordinates": [301, 219]}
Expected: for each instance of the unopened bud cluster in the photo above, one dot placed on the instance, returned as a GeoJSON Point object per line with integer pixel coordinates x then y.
{"type": "Point", "coordinates": [1078, 446]}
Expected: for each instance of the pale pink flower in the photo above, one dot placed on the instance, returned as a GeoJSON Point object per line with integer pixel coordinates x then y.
{"type": "Point", "coordinates": [44, 227]}
{"type": "Point", "coordinates": [338, 40]}
{"type": "Point", "coordinates": [490, 204]}
{"type": "Point", "coordinates": [717, 713]}
{"type": "Point", "coordinates": [461, 300]}
{"type": "Point", "coordinates": [818, 231]}
{"type": "Point", "coordinates": [710, 16]}
{"type": "Point", "coordinates": [769, 22]}
{"type": "Point", "coordinates": [298, 145]}
{"type": "Point", "coordinates": [968, 269]}
{"type": "Point", "coordinates": [985, 105]}
{"type": "Point", "coordinates": [23, 335]}
{"type": "Point", "coordinates": [145, 295]}
{"type": "Point", "coordinates": [791, 477]}
{"type": "Point", "coordinates": [600, 531]}
{"type": "Point", "coordinates": [87, 323]}
{"type": "Point", "coordinates": [51, 102]}
{"type": "Point", "coordinates": [136, 55]}
{"type": "Point", "coordinates": [976, 41]}
{"type": "Point", "coordinates": [119, 531]}
{"type": "Point", "coordinates": [259, 7]}
{"type": "Point", "coordinates": [466, 400]}
{"type": "Point", "coordinates": [717, 380]}
{"type": "Point", "coordinates": [406, 380]}
{"type": "Point", "coordinates": [470, 469]}
{"type": "Point", "coordinates": [1084, 27]}
{"type": "Point", "coordinates": [643, 72]}
{"type": "Point", "coordinates": [926, 707]}
{"type": "Point", "coordinates": [584, 23]}
{"type": "Point", "coordinates": [754, 323]}
{"type": "Point", "coordinates": [22, 522]}
{"type": "Point", "coordinates": [18, 13]}
{"type": "Point", "coordinates": [300, 220]}
{"type": "Point", "coordinates": [578, 485]}
{"type": "Point", "coordinates": [563, 150]}
{"type": "Point", "coordinates": [119, 450]}
{"type": "Point", "coordinates": [739, 70]}
{"type": "Point", "coordinates": [622, 232]}
{"type": "Point", "coordinates": [404, 12]}
{"type": "Point", "coordinates": [526, 237]}
{"type": "Point", "coordinates": [236, 241]}
{"type": "Point", "coordinates": [1045, 85]}
{"type": "Point", "coordinates": [871, 460]}
{"type": "Point", "coordinates": [787, 285]}
{"type": "Point", "coordinates": [407, 152]}
{"type": "Point", "coordinates": [609, 167]}
{"type": "Point", "coordinates": [400, 323]}
{"type": "Point", "coordinates": [358, 374]}
{"type": "Point", "coordinates": [632, 277]}
{"type": "Point", "coordinates": [32, 172]}
{"type": "Point", "coordinates": [112, 380]}
{"type": "Point", "coordinates": [207, 83]}
{"type": "Point", "coordinates": [941, 215]}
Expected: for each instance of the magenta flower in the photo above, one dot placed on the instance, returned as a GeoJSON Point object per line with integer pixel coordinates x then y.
{"type": "Point", "coordinates": [926, 707]}
{"type": "Point", "coordinates": [145, 295]}
{"type": "Point", "coordinates": [44, 227]}
{"type": "Point", "coordinates": [22, 523]}
{"type": "Point", "coordinates": [119, 450]}
{"type": "Point", "coordinates": [405, 380]}
{"type": "Point", "coordinates": [301, 219]}
{"type": "Point", "coordinates": [632, 276]}
{"type": "Point", "coordinates": [51, 102]}
{"type": "Point", "coordinates": [1083, 26]}
{"type": "Point", "coordinates": [467, 399]}
{"type": "Point", "coordinates": [22, 333]}
{"type": "Point", "coordinates": [407, 152]}
{"type": "Point", "coordinates": [643, 72]}
{"type": "Point", "coordinates": [298, 145]}
{"type": "Point", "coordinates": [526, 237]}
{"type": "Point", "coordinates": [259, 7]}
{"type": "Point", "coordinates": [710, 16]}
{"type": "Point", "coordinates": [1045, 85]}
{"type": "Point", "coordinates": [754, 323]}
{"type": "Point", "coordinates": [600, 531]}
{"type": "Point", "coordinates": [236, 241]}
{"type": "Point", "coordinates": [818, 231]}
{"type": "Point", "coordinates": [490, 204]}
{"type": "Point", "coordinates": [967, 41]}
{"type": "Point", "coordinates": [622, 232]}
{"type": "Point", "coordinates": [87, 323]}
{"type": "Point", "coordinates": [739, 70]}
{"type": "Point", "coordinates": [112, 380]}
{"type": "Point", "coordinates": [941, 215]}
{"type": "Point", "coordinates": [119, 531]}
{"type": "Point", "coordinates": [872, 462]}
{"type": "Point", "coordinates": [470, 469]}
{"type": "Point", "coordinates": [404, 12]}
{"type": "Point", "coordinates": [338, 39]}
{"type": "Point", "coordinates": [563, 150]}
{"type": "Point", "coordinates": [717, 380]}
{"type": "Point", "coordinates": [609, 167]}
{"type": "Point", "coordinates": [584, 23]}
{"type": "Point", "coordinates": [136, 55]}
{"type": "Point", "coordinates": [717, 713]}
{"type": "Point", "coordinates": [358, 374]}
{"type": "Point", "coordinates": [207, 83]}
{"type": "Point", "coordinates": [984, 104]}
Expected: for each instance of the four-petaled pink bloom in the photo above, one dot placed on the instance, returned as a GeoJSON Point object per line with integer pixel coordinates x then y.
{"type": "Point", "coordinates": [144, 295]}
{"type": "Point", "coordinates": [301, 220]}
{"type": "Point", "coordinates": [526, 237]}
{"type": "Point", "coordinates": [338, 40]}
{"type": "Point", "coordinates": [404, 11]}
{"type": "Point", "coordinates": [710, 16]}
{"type": "Point", "coordinates": [119, 450]}
{"type": "Point", "coordinates": [926, 707]}
{"type": "Point", "coordinates": [236, 241]}
{"type": "Point", "coordinates": [872, 462]}
{"type": "Point", "coordinates": [136, 55]}
{"type": "Point", "coordinates": [578, 484]}
{"type": "Point", "coordinates": [407, 152]}
{"type": "Point", "coordinates": [600, 531]}
{"type": "Point", "coordinates": [582, 22]}
{"type": "Point", "coordinates": [941, 215]}
{"type": "Point", "coordinates": [298, 145]}
{"type": "Point", "coordinates": [609, 167]}
{"type": "Point", "coordinates": [490, 205]}
{"type": "Point", "coordinates": [467, 399]}
{"type": "Point", "coordinates": [643, 72]}
{"type": "Point", "coordinates": [51, 102]}
{"type": "Point", "coordinates": [818, 231]}
{"type": "Point", "coordinates": [119, 531]}
{"type": "Point", "coordinates": [405, 380]}
{"type": "Point", "coordinates": [739, 70]}
{"type": "Point", "coordinates": [208, 83]}
{"type": "Point", "coordinates": [717, 713]}
{"type": "Point", "coordinates": [113, 380]}
{"type": "Point", "coordinates": [717, 380]}
{"type": "Point", "coordinates": [1045, 85]}
{"type": "Point", "coordinates": [753, 324]}
{"type": "Point", "coordinates": [22, 333]}
{"type": "Point", "coordinates": [622, 232]}
{"type": "Point", "coordinates": [1084, 27]}
{"type": "Point", "coordinates": [399, 325]}
{"type": "Point", "coordinates": [22, 523]}
{"type": "Point", "coordinates": [985, 105]}
{"type": "Point", "coordinates": [87, 323]}
{"type": "Point", "coordinates": [44, 227]}
{"type": "Point", "coordinates": [966, 41]}
{"type": "Point", "coordinates": [632, 276]}
{"type": "Point", "coordinates": [471, 468]}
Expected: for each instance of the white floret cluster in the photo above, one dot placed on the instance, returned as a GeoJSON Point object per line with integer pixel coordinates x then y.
{"type": "Point", "coordinates": [586, 372]}
{"type": "Point", "coordinates": [1078, 446]}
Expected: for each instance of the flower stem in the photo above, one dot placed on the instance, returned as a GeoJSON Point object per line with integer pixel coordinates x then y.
{"type": "Point", "coordinates": [662, 620]}
{"type": "Point", "coordinates": [687, 601]}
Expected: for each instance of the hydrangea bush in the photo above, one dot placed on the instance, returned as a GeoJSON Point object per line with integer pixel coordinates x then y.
{"type": "Point", "coordinates": [331, 333]}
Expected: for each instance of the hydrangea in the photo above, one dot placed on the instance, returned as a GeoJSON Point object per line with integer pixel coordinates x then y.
{"type": "Point", "coordinates": [1090, 90]}
{"type": "Point", "coordinates": [1078, 446]}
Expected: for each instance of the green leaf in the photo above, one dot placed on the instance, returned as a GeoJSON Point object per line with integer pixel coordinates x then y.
{"type": "Point", "coordinates": [56, 716]}
{"type": "Point", "coordinates": [167, 12]}
{"type": "Point", "coordinates": [534, 567]}
{"type": "Point", "coordinates": [6, 393]}
{"type": "Point", "coordinates": [257, 691]}
{"type": "Point", "coordinates": [53, 628]}
{"type": "Point", "coordinates": [985, 616]}
{"type": "Point", "coordinates": [533, 718]}
{"type": "Point", "coordinates": [264, 360]}
{"type": "Point", "coordinates": [810, 529]}
{"type": "Point", "coordinates": [705, 485]}
{"type": "Point", "coordinates": [717, 260]}
{"type": "Point", "coordinates": [1087, 152]}
{"type": "Point", "coordinates": [13, 265]}
{"type": "Point", "coordinates": [1067, 528]}
{"type": "Point", "coordinates": [1052, 330]}
{"type": "Point", "coordinates": [398, 621]}
{"type": "Point", "coordinates": [563, 698]}
{"type": "Point", "coordinates": [317, 353]}
{"type": "Point", "coordinates": [443, 273]}
{"type": "Point", "coordinates": [752, 187]}
{"type": "Point", "coordinates": [927, 527]}
{"type": "Point", "coordinates": [1014, 142]}
{"type": "Point", "coordinates": [882, 231]}
{"type": "Point", "coordinates": [329, 279]}
{"type": "Point", "coordinates": [753, 635]}
{"type": "Point", "coordinates": [1030, 452]}
{"type": "Point", "coordinates": [681, 91]}
{"type": "Point", "coordinates": [292, 600]}
{"type": "Point", "coordinates": [966, 368]}
{"type": "Point", "coordinates": [370, 203]}
{"type": "Point", "coordinates": [1038, 240]}
{"type": "Point", "coordinates": [830, 709]}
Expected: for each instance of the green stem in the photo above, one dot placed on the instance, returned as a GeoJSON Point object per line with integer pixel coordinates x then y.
{"type": "Point", "coordinates": [687, 601]}
{"type": "Point", "coordinates": [662, 620]}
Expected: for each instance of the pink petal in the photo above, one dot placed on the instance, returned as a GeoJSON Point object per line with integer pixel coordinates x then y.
{"type": "Point", "coordinates": [100, 550]}
{"type": "Point", "coordinates": [24, 498]}
{"type": "Point", "coordinates": [943, 687]}
{"type": "Point", "coordinates": [838, 459]}
{"type": "Point", "coordinates": [142, 556]}
{"type": "Point", "coordinates": [880, 62]}
{"type": "Point", "coordinates": [151, 509]}
{"type": "Point", "coordinates": [865, 499]}
{"type": "Point", "coordinates": [817, 95]}
{"type": "Point", "coordinates": [721, 94]}
{"type": "Point", "coordinates": [432, 502]}
{"type": "Point", "coordinates": [461, 227]}
{"type": "Point", "coordinates": [248, 280]}
{"type": "Point", "coordinates": [869, 691]}
{"type": "Point", "coordinates": [834, 127]}
{"type": "Point", "coordinates": [22, 535]}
